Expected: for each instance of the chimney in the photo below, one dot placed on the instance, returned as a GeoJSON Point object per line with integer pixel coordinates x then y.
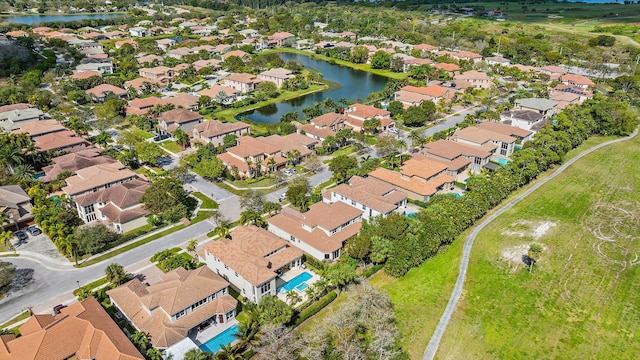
{"type": "Point", "coordinates": [269, 265]}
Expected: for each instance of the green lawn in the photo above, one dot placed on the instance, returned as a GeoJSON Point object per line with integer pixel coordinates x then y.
{"type": "Point", "coordinates": [16, 319]}
{"type": "Point", "coordinates": [344, 151]}
{"type": "Point", "coordinates": [171, 146]}
{"type": "Point", "coordinates": [419, 297]}
{"type": "Point", "coordinates": [260, 183]}
{"type": "Point", "coordinates": [207, 203]}
{"type": "Point", "coordinates": [581, 300]}
{"type": "Point", "coordinates": [144, 134]}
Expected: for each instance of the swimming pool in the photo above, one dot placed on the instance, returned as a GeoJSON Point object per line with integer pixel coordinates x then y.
{"type": "Point", "coordinates": [224, 338]}
{"type": "Point", "coordinates": [293, 283]}
{"type": "Point", "coordinates": [502, 161]}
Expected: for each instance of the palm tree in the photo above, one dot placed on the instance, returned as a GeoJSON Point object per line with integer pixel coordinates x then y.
{"type": "Point", "coordinates": [115, 274]}
{"type": "Point", "coordinates": [249, 328]}
{"type": "Point", "coordinates": [293, 297]}
{"type": "Point", "coordinates": [222, 230]}
{"type": "Point", "coordinates": [103, 139]}
{"type": "Point", "coordinates": [68, 245]}
{"type": "Point", "coordinates": [417, 138]}
{"type": "Point", "coordinates": [271, 163]}
{"type": "Point", "coordinates": [23, 173]}
{"type": "Point", "coordinates": [10, 156]}
{"type": "Point", "coordinates": [401, 145]}
{"type": "Point", "coordinates": [226, 352]}
{"type": "Point", "coordinates": [192, 246]}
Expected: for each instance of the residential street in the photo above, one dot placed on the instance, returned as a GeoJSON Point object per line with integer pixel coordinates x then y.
{"type": "Point", "coordinates": [52, 283]}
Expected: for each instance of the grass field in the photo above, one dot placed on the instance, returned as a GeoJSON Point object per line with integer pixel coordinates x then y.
{"type": "Point", "coordinates": [171, 146]}
{"type": "Point", "coordinates": [419, 297]}
{"type": "Point", "coordinates": [582, 299]}
{"type": "Point", "coordinates": [207, 203]}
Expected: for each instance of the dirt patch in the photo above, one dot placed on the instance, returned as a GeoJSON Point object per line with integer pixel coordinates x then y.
{"type": "Point", "coordinates": [514, 254]}
{"type": "Point", "coordinates": [526, 228]}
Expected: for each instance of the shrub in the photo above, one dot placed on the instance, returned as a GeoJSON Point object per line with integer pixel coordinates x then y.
{"type": "Point", "coordinates": [314, 308]}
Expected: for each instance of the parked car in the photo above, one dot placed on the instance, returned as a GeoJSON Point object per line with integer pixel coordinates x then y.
{"type": "Point", "coordinates": [161, 137]}
{"type": "Point", "coordinates": [282, 197]}
{"type": "Point", "coordinates": [57, 308]}
{"type": "Point", "coordinates": [21, 235]}
{"type": "Point", "coordinates": [34, 231]}
{"type": "Point", "coordinates": [393, 130]}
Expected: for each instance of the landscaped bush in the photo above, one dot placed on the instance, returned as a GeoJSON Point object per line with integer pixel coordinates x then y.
{"type": "Point", "coordinates": [313, 308]}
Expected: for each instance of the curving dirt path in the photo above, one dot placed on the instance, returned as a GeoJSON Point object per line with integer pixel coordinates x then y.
{"type": "Point", "coordinates": [434, 343]}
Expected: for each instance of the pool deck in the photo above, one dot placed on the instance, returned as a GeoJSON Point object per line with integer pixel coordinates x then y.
{"type": "Point", "coordinates": [212, 331]}
{"type": "Point", "coordinates": [289, 275]}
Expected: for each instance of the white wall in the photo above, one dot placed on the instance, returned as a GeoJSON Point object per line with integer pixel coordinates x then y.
{"type": "Point", "coordinates": [368, 212]}
{"type": "Point", "coordinates": [246, 289]}
{"type": "Point", "coordinates": [308, 249]}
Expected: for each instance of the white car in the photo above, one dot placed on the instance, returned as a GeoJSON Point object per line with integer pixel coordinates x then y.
{"type": "Point", "coordinates": [282, 197]}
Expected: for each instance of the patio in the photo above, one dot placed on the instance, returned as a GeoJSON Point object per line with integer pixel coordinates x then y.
{"type": "Point", "coordinates": [202, 336]}
{"type": "Point", "coordinates": [290, 275]}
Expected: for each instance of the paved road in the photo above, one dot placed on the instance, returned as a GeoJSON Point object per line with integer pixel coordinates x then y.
{"type": "Point", "coordinates": [432, 347]}
{"type": "Point", "coordinates": [51, 280]}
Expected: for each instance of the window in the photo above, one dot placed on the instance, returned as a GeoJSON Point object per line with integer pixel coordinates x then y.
{"type": "Point", "coordinates": [235, 273]}
{"type": "Point", "coordinates": [89, 209]}
{"type": "Point", "coordinates": [477, 161]}
{"type": "Point", "coordinates": [292, 238]}
{"type": "Point", "coordinates": [265, 287]}
{"type": "Point", "coordinates": [180, 314]}
{"type": "Point", "coordinates": [91, 217]}
{"type": "Point", "coordinates": [198, 304]}
{"type": "Point", "coordinates": [229, 315]}
{"type": "Point", "coordinates": [327, 256]}
{"type": "Point", "coordinates": [226, 267]}
{"type": "Point", "coordinates": [353, 202]}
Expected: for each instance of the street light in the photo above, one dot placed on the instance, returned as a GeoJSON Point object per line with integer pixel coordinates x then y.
{"type": "Point", "coordinates": [78, 282]}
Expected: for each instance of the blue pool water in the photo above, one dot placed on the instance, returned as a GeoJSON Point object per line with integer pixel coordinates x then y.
{"type": "Point", "coordinates": [293, 283]}
{"type": "Point", "coordinates": [302, 287]}
{"type": "Point", "coordinates": [224, 338]}
{"type": "Point", "coordinates": [502, 161]}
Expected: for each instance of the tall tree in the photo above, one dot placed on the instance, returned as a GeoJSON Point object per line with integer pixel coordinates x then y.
{"type": "Point", "coordinates": [115, 274]}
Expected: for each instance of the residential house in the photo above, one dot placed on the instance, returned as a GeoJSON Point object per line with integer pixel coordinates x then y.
{"type": "Point", "coordinates": [478, 79]}
{"type": "Point", "coordinates": [553, 71]}
{"type": "Point", "coordinates": [245, 83]}
{"type": "Point", "coordinates": [214, 131]}
{"type": "Point", "coordinates": [452, 69]}
{"type": "Point", "coordinates": [570, 94]}
{"type": "Point", "coordinates": [100, 92]}
{"type": "Point", "coordinates": [414, 96]}
{"type": "Point", "coordinates": [83, 330]}
{"type": "Point", "coordinates": [426, 48]}
{"type": "Point", "coordinates": [183, 100]}
{"type": "Point", "coordinates": [277, 76]}
{"type": "Point", "coordinates": [170, 121]}
{"type": "Point", "coordinates": [140, 85]}
{"type": "Point", "coordinates": [248, 33]}
{"type": "Point", "coordinates": [252, 260]}
{"type": "Point", "coordinates": [214, 64]}
{"type": "Point", "coordinates": [39, 128]}
{"type": "Point", "coordinates": [142, 106]}
{"type": "Point", "coordinates": [419, 178]}
{"type": "Point", "coordinates": [14, 119]}
{"type": "Point", "coordinates": [117, 206]}
{"type": "Point", "coordinates": [103, 66]}
{"type": "Point", "coordinates": [96, 177]}
{"type": "Point", "coordinates": [139, 31]}
{"type": "Point", "coordinates": [497, 60]}
{"type": "Point", "coordinates": [456, 154]}
{"type": "Point", "coordinates": [161, 74]}
{"type": "Point", "coordinates": [149, 59]}
{"type": "Point", "coordinates": [117, 34]}
{"type": "Point", "coordinates": [245, 57]}
{"type": "Point", "coordinates": [17, 33]}
{"type": "Point", "coordinates": [577, 80]}
{"type": "Point", "coordinates": [521, 135]}
{"type": "Point", "coordinates": [222, 94]}
{"type": "Point", "coordinates": [467, 55]}
{"type": "Point", "coordinates": [281, 39]}
{"type": "Point", "coordinates": [180, 53]}
{"type": "Point", "coordinates": [15, 206]}
{"type": "Point", "coordinates": [165, 44]}
{"type": "Point", "coordinates": [372, 196]}
{"type": "Point", "coordinates": [85, 74]}
{"type": "Point", "coordinates": [356, 114]}
{"type": "Point", "coordinates": [501, 146]}
{"type": "Point", "coordinates": [59, 141]}
{"type": "Point", "coordinates": [181, 304]}
{"type": "Point", "coordinates": [348, 34]}
{"type": "Point", "coordinates": [523, 119]}
{"type": "Point", "coordinates": [322, 126]}
{"type": "Point", "coordinates": [320, 232]}
{"type": "Point", "coordinates": [121, 43]}
{"type": "Point", "coordinates": [544, 107]}
{"type": "Point", "coordinates": [74, 161]}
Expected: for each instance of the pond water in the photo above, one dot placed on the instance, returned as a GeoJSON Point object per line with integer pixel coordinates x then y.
{"type": "Point", "coordinates": [37, 19]}
{"type": "Point", "coordinates": [347, 83]}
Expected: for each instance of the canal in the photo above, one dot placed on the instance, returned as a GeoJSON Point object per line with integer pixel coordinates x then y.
{"type": "Point", "coordinates": [346, 83]}
{"type": "Point", "coordinates": [44, 18]}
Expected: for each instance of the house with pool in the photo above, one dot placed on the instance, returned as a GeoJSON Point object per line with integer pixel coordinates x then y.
{"type": "Point", "coordinates": [372, 196]}
{"type": "Point", "coordinates": [183, 304]}
{"type": "Point", "coordinates": [320, 232]}
{"type": "Point", "coordinates": [253, 260]}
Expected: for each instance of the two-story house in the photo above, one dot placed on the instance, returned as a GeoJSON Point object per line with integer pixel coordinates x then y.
{"type": "Point", "coordinates": [419, 178]}
{"type": "Point", "coordinates": [251, 260]}
{"type": "Point", "coordinates": [97, 177]}
{"type": "Point", "coordinates": [214, 131]}
{"type": "Point", "coordinates": [179, 118]}
{"type": "Point", "coordinates": [280, 39]}
{"type": "Point", "coordinates": [544, 107]}
{"type": "Point", "coordinates": [455, 152]}
{"type": "Point", "coordinates": [501, 146]}
{"type": "Point", "coordinates": [74, 161]}
{"type": "Point", "coordinates": [320, 232]}
{"type": "Point", "coordinates": [415, 96]}
{"type": "Point", "coordinates": [99, 93]}
{"type": "Point", "coordinates": [15, 206]}
{"type": "Point", "coordinates": [183, 303]}
{"type": "Point", "coordinates": [372, 196]}
{"type": "Point", "coordinates": [477, 79]}
{"type": "Point", "coordinates": [161, 74]}
{"type": "Point", "coordinates": [322, 126]}
{"type": "Point", "coordinates": [521, 135]}
{"type": "Point", "coordinates": [356, 114]}
{"type": "Point", "coordinates": [277, 76]}
{"type": "Point", "coordinates": [245, 83]}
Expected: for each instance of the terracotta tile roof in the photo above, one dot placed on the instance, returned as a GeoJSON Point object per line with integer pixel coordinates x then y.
{"type": "Point", "coordinates": [371, 192]}
{"type": "Point", "coordinates": [562, 96]}
{"type": "Point", "coordinates": [504, 129]}
{"type": "Point", "coordinates": [413, 184]}
{"type": "Point", "coordinates": [183, 100]}
{"type": "Point", "coordinates": [473, 75]}
{"type": "Point", "coordinates": [239, 53]}
{"type": "Point", "coordinates": [149, 59]}
{"type": "Point", "coordinates": [140, 83]}
{"type": "Point", "coordinates": [231, 161]}
{"type": "Point", "coordinates": [366, 111]}
{"type": "Point", "coordinates": [37, 128]}
{"type": "Point", "coordinates": [97, 176]}
{"type": "Point", "coordinates": [247, 253]}
{"type": "Point", "coordinates": [316, 131]}
{"type": "Point", "coordinates": [86, 74]}
{"type": "Point", "coordinates": [122, 195]}
{"type": "Point", "coordinates": [150, 307]}
{"type": "Point", "coordinates": [101, 91]}
{"type": "Point", "coordinates": [146, 102]}
{"type": "Point", "coordinates": [524, 68]}
{"type": "Point", "coordinates": [425, 47]}
{"type": "Point", "coordinates": [279, 73]}
{"type": "Point", "coordinates": [481, 136]}
{"type": "Point", "coordinates": [213, 63]}
{"type": "Point", "coordinates": [451, 150]}
{"type": "Point", "coordinates": [58, 140]}
{"type": "Point", "coordinates": [75, 161]}
{"type": "Point", "coordinates": [179, 116]}
{"type": "Point", "coordinates": [12, 107]}
{"type": "Point", "coordinates": [116, 215]}
{"type": "Point", "coordinates": [158, 70]}
{"type": "Point", "coordinates": [249, 146]}
{"type": "Point", "coordinates": [214, 128]}
{"type": "Point", "coordinates": [83, 330]}
{"type": "Point", "coordinates": [553, 69]}
{"type": "Point", "coordinates": [243, 78]}
{"type": "Point", "coordinates": [576, 79]}
{"type": "Point", "coordinates": [12, 196]}
{"type": "Point", "coordinates": [431, 90]}
{"type": "Point", "coordinates": [447, 67]}
{"type": "Point", "coordinates": [328, 119]}
{"type": "Point", "coordinates": [290, 142]}
{"type": "Point", "coordinates": [280, 36]}
{"type": "Point", "coordinates": [214, 90]}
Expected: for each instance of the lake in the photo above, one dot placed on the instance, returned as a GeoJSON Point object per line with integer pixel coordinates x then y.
{"type": "Point", "coordinates": [37, 19]}
{"type": "Point", "coordinates": [347, 83]}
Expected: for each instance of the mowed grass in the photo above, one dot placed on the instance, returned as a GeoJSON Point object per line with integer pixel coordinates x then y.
{"type": "Point", "coordinates": [582, 299]}
{"type": "Point", "coordinates": [419, 297]}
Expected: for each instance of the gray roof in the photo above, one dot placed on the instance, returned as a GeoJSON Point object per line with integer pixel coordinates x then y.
{"type": "Point", "coordinates": [12, 195]}
{"type": "Point", "coordinates": [525, 115]}
{"type": "Point", "coordinates": [539, 104]}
